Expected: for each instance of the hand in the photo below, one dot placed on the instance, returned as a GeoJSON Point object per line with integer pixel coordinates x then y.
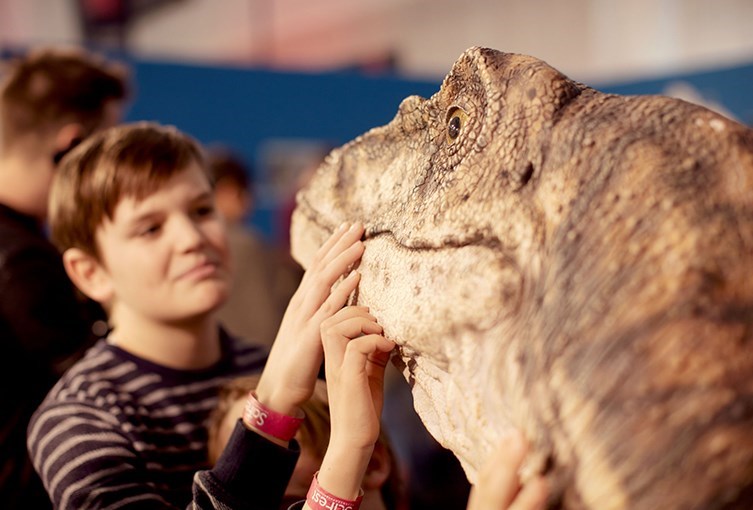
{"type": "Point", "coordinates": [356, 355]}
{"type": "Point", "coordinates": [498, 487]}
{"type": "Point", "coordinates": [296, 356]}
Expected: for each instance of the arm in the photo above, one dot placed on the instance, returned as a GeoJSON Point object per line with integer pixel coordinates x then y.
{"type": "Point", "coordinates": [355, 385]}
{"type": "Point", "coordinates": [296, 356]}
{"type": "Point", "coordinates": [251, 472]}
{"type": "Point", "coordinates": [288, 379]}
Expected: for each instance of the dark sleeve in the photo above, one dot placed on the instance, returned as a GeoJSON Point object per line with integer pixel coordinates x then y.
{"type": "Point", "coordinates": [252, 472]}
{"type": "Point", "coordinates": [42, 308]}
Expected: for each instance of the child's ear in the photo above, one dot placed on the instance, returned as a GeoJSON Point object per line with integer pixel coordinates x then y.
{"type": "Point", "coordinates": [68, 135]}
{"type": "Point", "coordinates": [66, 139]}
{"type": "Point", "coordinates": [88, 274]}
{"type": "Point", "coordinates": [378, 469]}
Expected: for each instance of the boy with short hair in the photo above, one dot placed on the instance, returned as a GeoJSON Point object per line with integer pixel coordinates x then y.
{"type": "Point", "coordinates": [133, 211]}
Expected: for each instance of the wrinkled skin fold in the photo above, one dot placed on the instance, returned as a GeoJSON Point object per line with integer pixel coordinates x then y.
{"type": "Point", "coordinates": [567, 262]}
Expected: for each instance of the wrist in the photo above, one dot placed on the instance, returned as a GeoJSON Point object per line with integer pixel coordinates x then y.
{"type": "Point", "coordinates": [279, 402]}
{"type": "Point", "coordinates": [319, 498]}
{"type": "Point", "coordinates": [269, 422]}
{"type": "Point", "coordinates": [342, 470]}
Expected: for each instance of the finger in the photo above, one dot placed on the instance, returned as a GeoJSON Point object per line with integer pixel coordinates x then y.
{"type": "Point", "coordinates": [343, 260]}
{"type": "Point", "coordinates": [380, 359]}
{"type": "Point", "coordinates": [350, 327]}
{"type": "Point", "coordinates": [323, 250]}
{"type": "Point", "coordinates": [336, 337]}
{"type": "Point", "coordinates": [532, 496]}
{"type": "Point", "coordinates": [342, 332]}
{"type": "Point", "coordinates": [329, 243]}
{"type": "Point", "coordinates": [346, 313]}
{"type": "Point", "coordinates": [329, 250]}
{"type": "Point", "coordinates": [341, 245]}
{"type": "Point", "coordinates": [375, 370]}
{"type": "Point", "coordinates": [344, 289]}
{"type": "Point", "coordinates": [322, 281]}
{"type": "Point", "coordinates": [359, 350]}
{"type": "Point", "coordinates": [326, 304]}
{"type": "Point", "coordinates": [498, 480]}
{"type": "Point", "coordinates": [343, 256]}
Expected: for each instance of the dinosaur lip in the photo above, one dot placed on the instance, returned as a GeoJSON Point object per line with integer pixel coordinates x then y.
{"type": "Point", "coordinates": [326, 223]}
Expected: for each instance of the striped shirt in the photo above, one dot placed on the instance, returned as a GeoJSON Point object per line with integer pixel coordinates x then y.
{"type": "Point", "coordinates": [119, 431]}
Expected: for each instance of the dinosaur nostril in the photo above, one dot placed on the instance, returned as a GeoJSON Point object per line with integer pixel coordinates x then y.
{"type": "Point", "coordinates": [525, 177]}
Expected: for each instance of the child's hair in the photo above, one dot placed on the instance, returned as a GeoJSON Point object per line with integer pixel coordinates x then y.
{"type": "Point", "coordinates": [126, 161]}
{"type": "Point", "coordinates": [313, 434]}
{"type": "Point", "coordinates": [47, 88]}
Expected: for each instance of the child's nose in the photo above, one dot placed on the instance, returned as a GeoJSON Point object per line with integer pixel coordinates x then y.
{"type": "Point", "coordinates": [189, 234]}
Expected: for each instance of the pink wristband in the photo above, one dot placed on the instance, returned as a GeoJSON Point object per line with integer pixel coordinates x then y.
{"type": "Point", "coordinates": [319, 499]}
{"type": "Point", "coordinates": [268, 421]}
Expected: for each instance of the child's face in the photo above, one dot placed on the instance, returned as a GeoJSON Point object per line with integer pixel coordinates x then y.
{"type": "Point", "coordinates": [166, 257]}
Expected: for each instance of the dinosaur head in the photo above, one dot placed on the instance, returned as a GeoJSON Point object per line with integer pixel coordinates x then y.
{"type": "Point", "coordinates": [447, 191]}
{"type": "Point", "coordinates": [571, 263]}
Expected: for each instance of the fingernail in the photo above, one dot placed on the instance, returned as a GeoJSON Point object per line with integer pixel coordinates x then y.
{"type": "Point", "coordinates": [342, 226]}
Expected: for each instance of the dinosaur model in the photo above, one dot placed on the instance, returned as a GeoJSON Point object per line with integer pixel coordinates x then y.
{"type": "Point", "coordinates": [575, 264]}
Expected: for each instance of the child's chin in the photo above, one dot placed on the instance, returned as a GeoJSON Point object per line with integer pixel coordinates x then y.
{"type": "Point", "coordinates": [211, 301]}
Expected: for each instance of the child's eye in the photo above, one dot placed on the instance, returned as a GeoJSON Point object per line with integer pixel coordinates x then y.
{"type": "Point", "coordinates": [204, 211]}
{"type": "Point", "coordinates": [149, 230]}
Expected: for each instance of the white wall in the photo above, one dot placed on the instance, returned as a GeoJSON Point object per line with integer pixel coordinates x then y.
{"type": "Point", "coordinates": [587, 39]}
{"type": "Point", "coordinates": [38, 21]}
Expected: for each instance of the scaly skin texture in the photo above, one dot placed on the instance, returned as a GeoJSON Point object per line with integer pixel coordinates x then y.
{"type": "Point", "coordinates": [571, 263]}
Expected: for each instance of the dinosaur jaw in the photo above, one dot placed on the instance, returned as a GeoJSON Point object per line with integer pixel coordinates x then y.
{"type": "Point", "coordinates": [420, 295]}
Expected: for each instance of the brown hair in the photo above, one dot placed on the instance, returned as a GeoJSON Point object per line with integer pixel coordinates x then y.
{"type": "Point", "coordinates": [130, 160]}
{"type": "Point", "coordinates": [227, 166]}
{"type": "Point", "coordinates": [313, 434]}
{"type": "Point", "coordinates": [51, 87]}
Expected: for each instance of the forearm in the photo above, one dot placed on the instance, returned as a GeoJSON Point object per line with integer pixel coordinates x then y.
{"type": "Point", "coordinates": [342, 470]}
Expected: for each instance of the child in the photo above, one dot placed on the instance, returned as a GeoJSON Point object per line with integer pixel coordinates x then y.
{"type": "Point", "coordinates": [382, 484]}
{"type": "Point", "coordinates": [132, 210]}
{"type": "Point", "coordinates": [50, 99]}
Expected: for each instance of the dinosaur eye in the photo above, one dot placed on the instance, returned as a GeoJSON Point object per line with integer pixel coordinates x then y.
{"type": "Point", "coordinates": [456, 119]}
{"type": "Point", "coordinates": [453, 128]}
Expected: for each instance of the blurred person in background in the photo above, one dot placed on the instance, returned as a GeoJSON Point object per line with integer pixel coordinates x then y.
{"type": "Point", "coordinates": [50, 99]}
{"type": "Point", "coordinates": [262, 286]}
